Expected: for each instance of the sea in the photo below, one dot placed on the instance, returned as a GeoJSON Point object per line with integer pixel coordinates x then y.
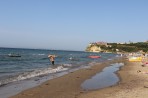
{"type": "Point", "coordinates": [34, 67]}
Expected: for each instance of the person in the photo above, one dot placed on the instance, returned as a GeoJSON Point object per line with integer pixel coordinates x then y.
{"type": "Point", "coordinates": [51, 57]}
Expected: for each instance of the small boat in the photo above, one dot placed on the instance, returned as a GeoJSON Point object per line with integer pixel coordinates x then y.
{"type": "Point", "coordinates": [94, 56]}
{"type": "Point", "coordinates": [14, 55]}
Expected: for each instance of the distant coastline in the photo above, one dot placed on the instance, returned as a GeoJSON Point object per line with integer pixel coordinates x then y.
{"type": "Point", "coordinates": [118, 47]}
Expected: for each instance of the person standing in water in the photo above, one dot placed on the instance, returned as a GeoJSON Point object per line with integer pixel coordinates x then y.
{"type": "Point", "coordinates": [51, 57]}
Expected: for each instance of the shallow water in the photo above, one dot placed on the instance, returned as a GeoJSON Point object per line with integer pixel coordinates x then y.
{"type": "Point", "coordinates": [35, 62]}
{"type": "Point", "coordinates": [33, 67]}
{"type": "Point", "coordinates": [103, 79]}
{"type": "Point", "coordinates": [16, 87]}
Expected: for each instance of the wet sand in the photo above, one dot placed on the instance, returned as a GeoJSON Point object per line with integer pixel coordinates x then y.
{"type": "Point", "coordinates": [133, 84]}
{"type": "Point", "coordinates": [69, 86]}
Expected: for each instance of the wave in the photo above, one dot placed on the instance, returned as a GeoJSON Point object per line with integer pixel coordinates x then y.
{"type": "Point", "coordinates": [39, 54]}
{"type": "Point", "coordinates": [35, 73]}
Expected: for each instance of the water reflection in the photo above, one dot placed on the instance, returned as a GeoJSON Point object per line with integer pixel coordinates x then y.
{"type": "Point", "coordinates": [103, 79]}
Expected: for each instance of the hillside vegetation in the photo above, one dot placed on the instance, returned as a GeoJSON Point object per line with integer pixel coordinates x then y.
{"type": "Point", "coordinates": [116, 47]}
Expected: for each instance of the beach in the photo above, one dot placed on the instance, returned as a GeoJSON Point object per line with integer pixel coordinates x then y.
{"type": "Point", "coordinates": [73, 49]}
{"type": "Point", "coordinates": [132, 84]}
{"type": "Point", "coordinates": [33, 68]}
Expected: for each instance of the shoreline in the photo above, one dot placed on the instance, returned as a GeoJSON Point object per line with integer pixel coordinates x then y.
{"type": "Point", "coordinates": [67, 86]}
{"type": "Point", "coordinates": [131, 85]}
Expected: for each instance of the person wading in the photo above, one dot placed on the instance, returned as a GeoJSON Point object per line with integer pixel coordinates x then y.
{"type": "Point", "coordinates": [51, 57]}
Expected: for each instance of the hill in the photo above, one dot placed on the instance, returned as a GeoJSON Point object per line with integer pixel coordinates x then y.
{"type": "Point", "coordinates": [118, 47]}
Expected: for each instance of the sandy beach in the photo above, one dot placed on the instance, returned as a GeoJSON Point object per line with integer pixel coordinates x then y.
{"type": "Point", "coordinates": [132, 84]}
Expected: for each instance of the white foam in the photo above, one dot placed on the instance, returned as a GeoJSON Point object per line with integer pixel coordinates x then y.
{"type": "Point", "coordinates": [41, 54]}
{"type": "Point", "coordinates": [67, 65]}
{"type": "Point", "coordinates": [35, 73]}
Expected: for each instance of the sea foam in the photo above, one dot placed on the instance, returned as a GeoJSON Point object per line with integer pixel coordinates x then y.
{"type": "Point", "coordinates": [35, 73]}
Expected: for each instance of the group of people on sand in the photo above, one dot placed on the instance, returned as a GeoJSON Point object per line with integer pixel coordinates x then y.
{"type": "Point", "coordinates": [144, 63]}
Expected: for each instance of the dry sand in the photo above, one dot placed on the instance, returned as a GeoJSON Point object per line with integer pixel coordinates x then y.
{"type": "Point", "coordinates": [68, 86]}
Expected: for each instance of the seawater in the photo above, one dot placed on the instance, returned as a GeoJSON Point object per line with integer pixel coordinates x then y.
{"type": "Point", "coordinates": [35, 64]}
{"type": "Point", "coordinates": [103, 79]}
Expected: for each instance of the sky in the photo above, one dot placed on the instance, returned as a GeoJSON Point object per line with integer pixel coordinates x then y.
{"type": "Point", "coordinates": [71, 24]}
